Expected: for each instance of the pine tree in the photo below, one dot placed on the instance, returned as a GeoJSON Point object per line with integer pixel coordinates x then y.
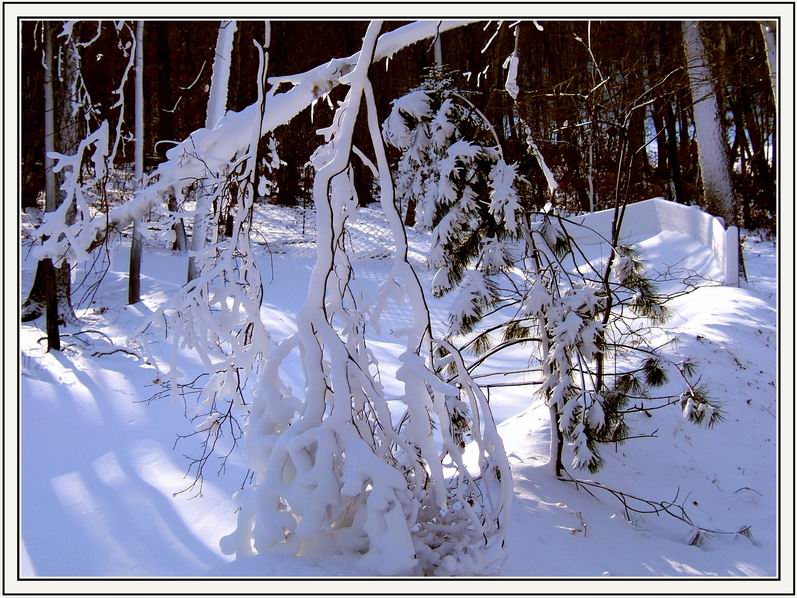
{"type": "Point", "coordinates": [519, 278]}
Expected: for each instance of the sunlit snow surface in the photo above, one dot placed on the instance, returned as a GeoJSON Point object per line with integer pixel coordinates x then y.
{"type": "Point", "coordinates": [101, 477]}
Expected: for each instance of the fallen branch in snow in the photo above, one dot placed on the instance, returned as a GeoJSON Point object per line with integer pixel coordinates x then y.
{"type": "Point", "coordinates": [644, 506]}
{"type": "Point", "coordinates": [118, 350]}
{"type": "Point", "coordinates": [79, 334]}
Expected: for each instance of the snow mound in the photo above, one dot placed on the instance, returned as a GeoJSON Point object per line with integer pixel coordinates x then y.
{"type": "Point", "coordinates": [713, 247]}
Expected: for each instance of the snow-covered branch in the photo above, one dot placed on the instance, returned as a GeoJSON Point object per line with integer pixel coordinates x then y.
{"type": "Point", "coordinates": [208, 150]}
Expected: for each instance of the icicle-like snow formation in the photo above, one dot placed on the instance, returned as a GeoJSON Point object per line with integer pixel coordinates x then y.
{"type": "Point", "coordinates": [218, 316]}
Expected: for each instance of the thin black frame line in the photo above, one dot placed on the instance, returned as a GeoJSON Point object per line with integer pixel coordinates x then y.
{"type": "Point", "coordinates": [393, 18]}
{"type": "Point", "coordinates": [447, 3]}
{"type": "Point", "coordinates": [778, 578]}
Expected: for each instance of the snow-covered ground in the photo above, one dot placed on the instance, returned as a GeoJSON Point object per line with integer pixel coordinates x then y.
{"type": "Point", "coordinates": [101, 476]}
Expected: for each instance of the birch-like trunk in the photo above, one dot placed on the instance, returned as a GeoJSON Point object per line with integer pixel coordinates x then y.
{"type": "Point", "coordinates": [712, 155]}
{"type": "Point", "coordinates": [771, 42]}
{"type": "Point", "coordinates": [51, 291]}
{"type": "Point", "coordinates": [217, 106]}
{"type": "Point", "coordinates": [49, 122]}
{"type": "Point", "coordinates": [134, 288]}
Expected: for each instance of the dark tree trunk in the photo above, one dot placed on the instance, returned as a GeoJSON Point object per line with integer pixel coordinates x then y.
{"type": "Point", "coordinates": [672, 155]}
{"type": "Point", "coordinates": [636, 138]}
{"type": "Point", "coordinates": [758, 160]}
{"type": "Point", "coordinates": [560, 442]}
{"type": "Point", "coordinates": [51, 291]}
{"type": "Point", "coordinates": [166, 100]}
{"type": "Point", "coordinates": [657, 116]}
{"type": "Point", "coordinates": [40, 295]}
{"type": "Point", "coordinates": [740, 148]}
{"type": "Point", "coordinates": [409, 217]}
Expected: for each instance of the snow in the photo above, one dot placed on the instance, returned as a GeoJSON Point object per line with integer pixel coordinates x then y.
{"type": "Point", "coordinates": [100, 471]}
{"type": "Point", "coordinates": [700, 242]}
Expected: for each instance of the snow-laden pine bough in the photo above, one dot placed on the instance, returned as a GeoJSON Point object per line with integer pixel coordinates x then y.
{"type": "Point", "coordinates": [333, 472]}
{"type": "Point", "coordinates": [521, 279]}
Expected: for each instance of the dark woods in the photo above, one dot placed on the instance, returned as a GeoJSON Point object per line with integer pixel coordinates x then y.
{"type": "Point", "coordinates": [585, 90]}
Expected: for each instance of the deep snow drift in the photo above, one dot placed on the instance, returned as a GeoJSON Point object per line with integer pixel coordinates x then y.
{"type": "Point", "coordinates": [101, 477]}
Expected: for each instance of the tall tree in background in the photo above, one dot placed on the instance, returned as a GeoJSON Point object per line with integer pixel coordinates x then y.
{"type": "Point", "coordinates": [771, 43]}
{"type": "Point", "coordinates": [712, 153]}
{"type": "Point", "coordinates": [51, 290]}
{"type": "Point", "coordinates": [46, 266]}
{"type": "Point", "coordinates": [217, 106]}
{"type": "Point", "coordinates": [134, 288]}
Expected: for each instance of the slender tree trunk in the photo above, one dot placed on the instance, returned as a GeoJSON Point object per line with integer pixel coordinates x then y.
{"type": "Point", "coordinates": [49, 121]}
{"type": "Point", "coordinates": [165, 81]}
{"type": "Point", "coordinates": [672, 155]}
{"type": "Point", "coordinates": [636, 138]}
{"type": "Point", "coordinates": [46, 267]}
{"type": "Point", "coordinates": [134, 288]}
{"type": "Point", "coordinates": [590, 166]}
{"type": "Point", "coordinates": [712, 153]}
{"type": "Point", "coordinates": [51, 291]}
{"type": "Point", "coordinates": [656, 111]}
{"type": "Point", "coordinates": [758, 159]}
{"type": "Point", "coordinates": [217, 106]}
{"type": "Point", "coordinates": [740, 148]}
{"type": "Point", "coordinates": [180, 238]}
{"type": "Point", "coordinates": [771, 41]}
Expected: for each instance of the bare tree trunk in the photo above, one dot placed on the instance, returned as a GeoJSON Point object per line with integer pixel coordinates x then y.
{"type": "Point", "coordinates": [47, 268]}
{"type": "Point", "coordinates": [180, 238]}
{"type": "Point", "coordinates": [672, 154]}
{"type": "Point", "coordinates": [49, 122]}
{"type": "Point", "coordinates": [712, 153]}
{"type": "Point", "coordinates": [51, 291]}
{"type": "Point", "coordinates": [217, 106]}
{"type": "Point", "coordinates": [771, 41]}
{"type": "Point", "coordinates": [657, 115]}
{"type": "Point", "coordinates": [134, 288]}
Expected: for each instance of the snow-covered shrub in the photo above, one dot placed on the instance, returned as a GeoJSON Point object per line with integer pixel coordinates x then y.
{"type": "Point", "coordinates": [217, 313]}
{"type": "Point", "coordinates": [333, 471]}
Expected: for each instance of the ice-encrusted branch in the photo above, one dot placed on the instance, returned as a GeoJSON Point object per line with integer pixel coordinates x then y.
{"type": "Point", "coordinates": [331, 467]}
{"type": "Point", "coordinates": [217, 314]}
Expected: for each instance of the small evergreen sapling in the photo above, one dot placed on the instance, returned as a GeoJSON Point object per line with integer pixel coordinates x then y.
{"type": "Point", "coordinates": [520, 278]}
